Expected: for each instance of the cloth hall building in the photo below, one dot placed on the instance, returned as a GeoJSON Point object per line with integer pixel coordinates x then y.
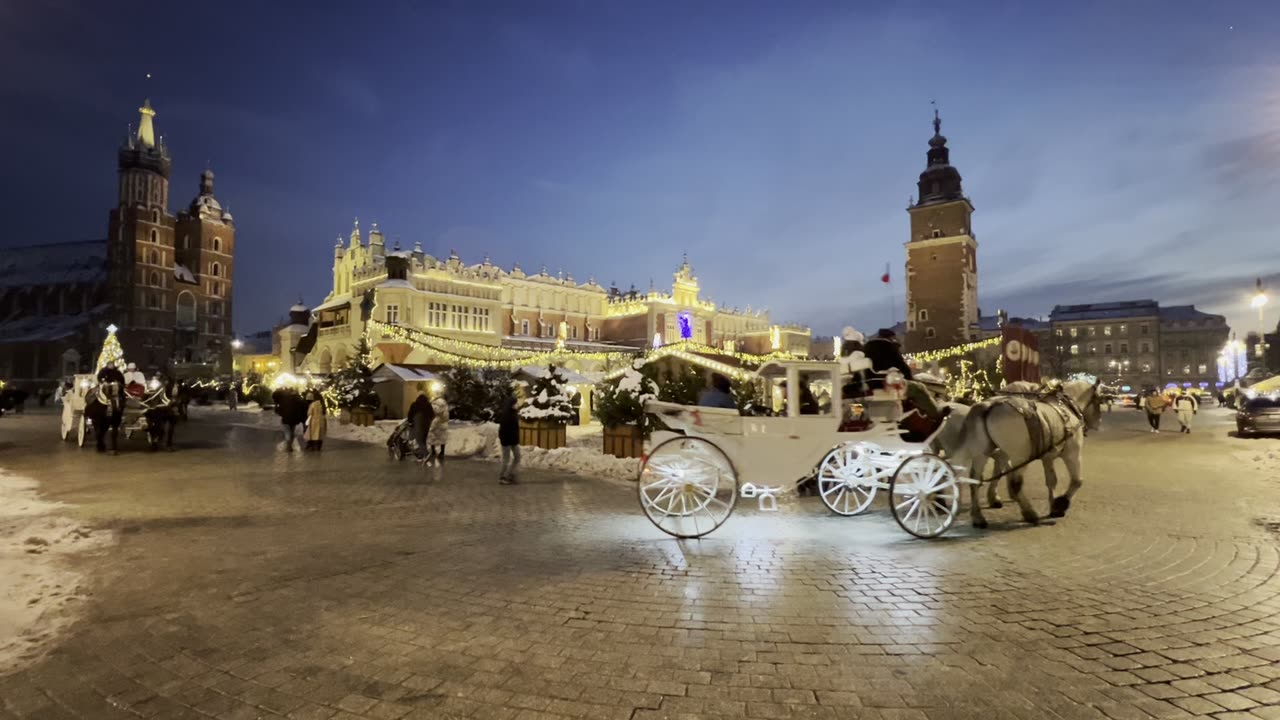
{"type": "Point", "coordinates": [489, 305]}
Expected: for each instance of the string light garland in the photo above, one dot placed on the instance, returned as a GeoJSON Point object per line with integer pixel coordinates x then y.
{"type": "Point", "coordinates": [929, 356]}
{"type": "Point", "coordinates": [464, 354]}
{"type": "Point", "coordinates": [693, 353]}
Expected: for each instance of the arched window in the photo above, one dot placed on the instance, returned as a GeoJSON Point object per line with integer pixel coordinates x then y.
{"type": "Point", "coordinates": [186, 308]}
{"type": "Point", "coordinates": [155, 258]}
{"type": "Point", "coordinates": [924, 315]}
{"type": "Point", "coordinates": [930, 332]}
{"type": "Point", "coordinates": [217, 244]}
{"type": "Point", "coordinates": [216, 269]}
{"type": "Point", "coordinates": [155, 216]}
{"type": "Point", "coordinates": [155, 279]}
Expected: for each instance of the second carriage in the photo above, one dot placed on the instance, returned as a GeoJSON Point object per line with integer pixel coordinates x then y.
{"type": "Point", "coordinates": [705, 458]}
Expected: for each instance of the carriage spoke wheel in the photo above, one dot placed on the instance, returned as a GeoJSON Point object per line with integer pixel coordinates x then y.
{"type": "Point", "coordinates": [81, 430]}
{"type": "Point", "coordinates": [687, 487]}
{"type": "Point", "coordinates": [924, 495]}
{"type": "Point", "coordinates": [395, 451]}
{"type": "Point", "coordinates": [846, 481]}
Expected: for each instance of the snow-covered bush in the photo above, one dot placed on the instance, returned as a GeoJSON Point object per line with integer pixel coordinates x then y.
{"type": "Point", "coordinates": [548, 398]}
{"type": "Point", "coordinates": [621, 401]}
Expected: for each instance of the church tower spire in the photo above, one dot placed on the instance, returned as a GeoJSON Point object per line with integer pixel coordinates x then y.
{"type": "Point", "coordinates": [940, 182]}
{"type": "Point", "coordinates": [146, 132]}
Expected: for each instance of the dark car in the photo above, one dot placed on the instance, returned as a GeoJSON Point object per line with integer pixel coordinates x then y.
{"type": "Point", "coordinates": [1258, 416]}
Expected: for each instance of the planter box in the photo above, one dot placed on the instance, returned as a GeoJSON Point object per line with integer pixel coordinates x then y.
{"type": "Point", "coordinates": [545, 434]}
{"type": "Point", "coordinates": [361, 417]}
{"type": "Point", "coordinates": [623, 441]}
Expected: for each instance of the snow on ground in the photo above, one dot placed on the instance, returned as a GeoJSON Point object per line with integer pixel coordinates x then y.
{"type": "Point", "coordinates": [583, 456]}
{"type": "Point", "coordinates": [40, 593]}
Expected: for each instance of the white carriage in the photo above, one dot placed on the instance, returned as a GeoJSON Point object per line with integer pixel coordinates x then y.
{"type": "Point", "coordinates": [695, 470]}
{"type": "Point", "coordinates": [75, 422]}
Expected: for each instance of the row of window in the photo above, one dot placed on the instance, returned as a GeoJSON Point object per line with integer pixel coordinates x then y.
{"type": "Point", "coordinates": [548, 330]}
{"type": "Point", "coordinates": [1092, 331]}
{"type": "Point", "coordinates": [1144, 347]}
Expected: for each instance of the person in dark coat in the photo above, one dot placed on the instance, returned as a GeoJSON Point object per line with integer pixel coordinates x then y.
{"type": "Point", "coordinates": [884, 354]}
{"type": "Point", "coordinates": [111, 374]}
{"type": "Point", "coordinates": [720, 394]}
{"type": "Point", "coordinates": [421, 415]}
{"type": "Point", "coordinates": [509, 439]}
{"type": "Point", "coordinates": [292, 410]}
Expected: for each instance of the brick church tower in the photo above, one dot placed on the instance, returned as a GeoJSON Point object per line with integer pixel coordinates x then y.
{"type": "Point", "coordinates": [169, 277]}
{"type": "Point", "coordinates": [942, 262]}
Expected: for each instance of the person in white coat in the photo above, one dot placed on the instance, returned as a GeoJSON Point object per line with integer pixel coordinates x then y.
{"type": "Point", "coordinates": [1186, 406]}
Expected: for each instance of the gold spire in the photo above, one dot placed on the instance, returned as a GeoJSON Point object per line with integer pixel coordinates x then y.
{"type": "Point", "coordinates": [146, 133]}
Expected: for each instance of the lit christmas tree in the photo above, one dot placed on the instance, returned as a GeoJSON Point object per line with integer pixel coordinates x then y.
{"type": "Point", "coordinates": [111, 351]}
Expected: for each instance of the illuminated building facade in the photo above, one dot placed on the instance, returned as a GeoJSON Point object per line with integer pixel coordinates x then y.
{"type": "Point", "coordinates": [489, 305]}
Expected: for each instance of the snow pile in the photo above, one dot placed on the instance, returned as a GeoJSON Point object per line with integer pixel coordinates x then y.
{"type": "Point", "coordinates": [40, 590]}
{"type": "Point", "coordinates": [583, 456]}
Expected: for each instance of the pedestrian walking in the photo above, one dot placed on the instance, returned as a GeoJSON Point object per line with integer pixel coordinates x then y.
{"type": "Point", "coordinates": [509, 439]}
{"type": "Point", "coordinates": [292, 410]}
{"type": "Point", "coordinates": [420, 416]}
{"type": "Point", "coordinates": [438, 435]}
{"type": "Point", "coordinates": [317, 422]}
{"type": "Point", "coordinates": [233, 396]}
{"type": "Point", "coordinates": [1155, 404]}
{"type": "Point", "coordinates": [1186, 406]}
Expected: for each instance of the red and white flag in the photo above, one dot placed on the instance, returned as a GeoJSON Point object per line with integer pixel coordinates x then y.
{"type": "Point", "coordinates": [885, 277]}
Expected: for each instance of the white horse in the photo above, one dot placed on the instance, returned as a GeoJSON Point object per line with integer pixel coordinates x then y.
{"type": "Point", "coordinates": [1018, 431]}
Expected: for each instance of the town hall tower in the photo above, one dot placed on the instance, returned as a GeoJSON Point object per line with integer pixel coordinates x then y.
{"type": "Point", "coordinates": [942, 264]}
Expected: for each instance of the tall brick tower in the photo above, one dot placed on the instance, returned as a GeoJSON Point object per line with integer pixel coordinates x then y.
{"type": "Point", "coordinates": [942, 262]}
{"type": "Point", "coordinates": [206, 236]}
{"type": "Point", "coordinates": [140, 247]}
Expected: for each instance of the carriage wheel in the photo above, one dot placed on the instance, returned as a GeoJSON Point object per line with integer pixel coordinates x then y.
{"type": "Point", "coordinates": [395, 451]}
{"type": "Point", "coordinates": [687, 487]}
{"type": "Point", "coordinates": [846, 481]}
{"type": "Point", "coordinates": [81, 430]}
{"type": "Point", "coordinates": [924, 495]}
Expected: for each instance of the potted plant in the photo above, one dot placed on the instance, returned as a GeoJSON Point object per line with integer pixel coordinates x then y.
{"type": "Point", "coordinates": [619, 405]}
{"type": "Point", "coordinates": [546, 411]}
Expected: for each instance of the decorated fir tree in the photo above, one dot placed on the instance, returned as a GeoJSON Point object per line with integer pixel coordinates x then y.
{"type": "Point", "coordinates": [621, 401]}
{"type": "Point", "coordinates": [548, 398]}
{"type": "Point", "coordinates": [353, 385]}
{"type": "Point", "coordinates": [111, 351]}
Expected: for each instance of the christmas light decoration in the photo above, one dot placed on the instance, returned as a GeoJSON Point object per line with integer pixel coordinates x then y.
{"type": "Point", "coordinates": [929, 356]}
{"type": "Point", "coordinates": [111, 351]}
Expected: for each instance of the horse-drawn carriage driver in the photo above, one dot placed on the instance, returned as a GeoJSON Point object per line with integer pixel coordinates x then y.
{"type": "Point", "coordinates": [883, 354]}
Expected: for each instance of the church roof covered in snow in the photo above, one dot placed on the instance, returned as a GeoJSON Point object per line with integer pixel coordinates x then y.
{"type": "Point", "coordinates": [70, 263]}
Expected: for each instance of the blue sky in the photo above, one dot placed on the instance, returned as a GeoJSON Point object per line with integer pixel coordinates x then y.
{"type": "Point", "coordinates": [1114, 150]}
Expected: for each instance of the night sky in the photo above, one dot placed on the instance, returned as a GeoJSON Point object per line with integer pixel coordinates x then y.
{"type": "Point", "coordinates": [1114, 150]}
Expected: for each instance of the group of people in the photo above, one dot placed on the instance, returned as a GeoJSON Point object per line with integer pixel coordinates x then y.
{"type": "Point", "coordinates": [430, 420]}
{"type": "Point", "coordinates": [1184, 405]}
{"type": "Point", "coordinates": [302, 418]}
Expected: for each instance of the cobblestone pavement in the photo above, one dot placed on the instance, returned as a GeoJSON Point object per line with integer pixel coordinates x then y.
{"type": "Point", "coordinates": [247, 583]}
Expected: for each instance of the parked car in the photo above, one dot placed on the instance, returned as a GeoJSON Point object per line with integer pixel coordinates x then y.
{"type": "Point", "coordinates": [1258, 416]}
{"type": "Point", "coordinates": [1127, 400]}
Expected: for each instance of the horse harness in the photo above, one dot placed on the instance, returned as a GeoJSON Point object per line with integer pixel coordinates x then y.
{"type": "Point", "coordinates": [1025, 404]}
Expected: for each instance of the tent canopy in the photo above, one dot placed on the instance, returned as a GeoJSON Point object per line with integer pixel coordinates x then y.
{"type": "Point", "coordinates": [406, 373]}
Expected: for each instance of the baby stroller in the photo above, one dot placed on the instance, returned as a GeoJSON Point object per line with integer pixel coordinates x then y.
{"type": "Point", "coordinates": [401, 441]}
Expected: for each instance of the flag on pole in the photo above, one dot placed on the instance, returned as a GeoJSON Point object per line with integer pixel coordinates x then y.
{"type": "Point", "coordinates": [885, 277]}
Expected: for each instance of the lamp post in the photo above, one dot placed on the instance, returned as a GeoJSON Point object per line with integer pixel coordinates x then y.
{"type": "Point", "coordinates": [1259, 302]}
{"type": "Point", "coordinates": [236, 344]}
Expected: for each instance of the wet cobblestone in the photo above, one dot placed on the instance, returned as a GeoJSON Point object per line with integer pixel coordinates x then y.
{"type": "Point", "coordinates": [248, 583]}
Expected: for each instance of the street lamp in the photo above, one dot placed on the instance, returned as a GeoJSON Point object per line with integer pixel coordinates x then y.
{"type": "Point", "coordinates": [1259, 302]}
{"type": "Point", "coordinates": [236, 344]}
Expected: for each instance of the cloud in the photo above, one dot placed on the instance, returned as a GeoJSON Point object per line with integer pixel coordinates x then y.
{"type": "Point", "coordinates": [1245, 164]}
